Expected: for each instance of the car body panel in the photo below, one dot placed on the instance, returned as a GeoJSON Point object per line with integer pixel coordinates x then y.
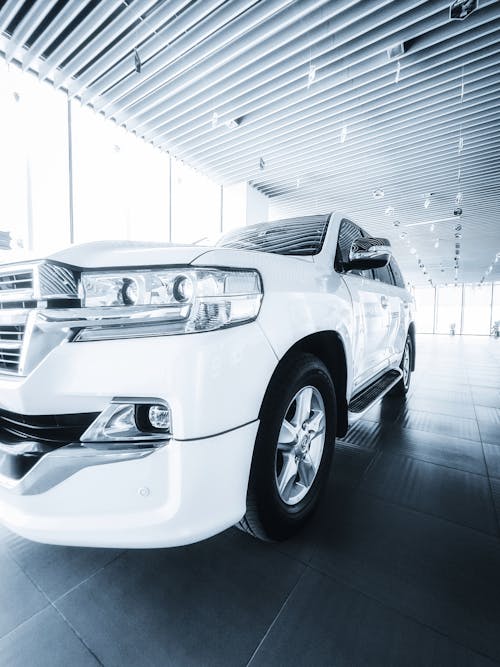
{"type": "Point", "coordinates": [214, 382]}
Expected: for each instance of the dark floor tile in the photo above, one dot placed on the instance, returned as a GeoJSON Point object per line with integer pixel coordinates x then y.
{"type": "Point", "coordinates": [425, 445]}
{"type": "Point", "coordinates": [366, 434]}
{"type": "Point", "coordinates": [489, 432]}
{"type": "Point", "coordinates": [19, 597]}
{"type": "Point", "coordinates": [442, 424]}
{"type": "Point", "coordinates": [208, 604]}
{"type": "Point", "coordinates": [492, 456]}
{"type": "Point", "coordinates": [45, 640]}
{"type": "Point", "coordinates": [349, 464]}
{"type": "Point", "coordinates": [57, 569]}
{"type": "Point", "coordinates": [325, 623]}
{"type": "Point", "coordinates": [451, 494]}
{"type": "Point", "coordinates": [386, 410]}
{"type": "Point", "coordinates": [439, 573]}
{"type": "Point", "coordinates": [495, 490]}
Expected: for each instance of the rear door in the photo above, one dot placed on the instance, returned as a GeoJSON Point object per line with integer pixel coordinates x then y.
{"type": "Point", "coordinates": [403, 303]}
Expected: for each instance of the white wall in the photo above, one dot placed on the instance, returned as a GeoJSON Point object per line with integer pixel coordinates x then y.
{"type": "Point", "coordinates": [257, 206]}
{"type": "Point", "coordinates": [243, 205]}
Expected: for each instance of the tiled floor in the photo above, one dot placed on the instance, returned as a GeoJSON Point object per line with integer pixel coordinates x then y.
{"type": "Point", "coordinates": [399, 566]}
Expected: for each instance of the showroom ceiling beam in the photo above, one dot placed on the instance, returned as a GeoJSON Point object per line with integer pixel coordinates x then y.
{"type": "Point", "coordinates": [82, 31]}
{"type": "Point", "coordinates": [326, 139]}
{"type": "Point", "coordinates": [435, 88]}
{"type": "Point", "coordinates": [92, 50]}
{"type": "Point", "coordinates": [334, 85]}
{"type": "Point", "coordinates": [274, 57]}
{"type": "Point", "coordinates": [63, 19]}
{"type": "Point", "coordinates": [183, 30]}
{"type": "Point", "coordinates": [167, 22]}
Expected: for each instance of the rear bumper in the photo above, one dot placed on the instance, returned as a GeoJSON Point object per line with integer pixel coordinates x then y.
{"type": "Point", "coordinates": [180, 493]}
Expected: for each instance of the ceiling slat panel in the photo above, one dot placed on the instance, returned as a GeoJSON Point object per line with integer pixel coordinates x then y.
{"type": "Point", "coordinates": [305, 88]}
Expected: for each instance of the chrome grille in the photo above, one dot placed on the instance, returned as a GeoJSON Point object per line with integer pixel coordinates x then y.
{"type": "Point", "coordinates": [11, 342]}
{"type": "Point", "coordinates": [24, 289]}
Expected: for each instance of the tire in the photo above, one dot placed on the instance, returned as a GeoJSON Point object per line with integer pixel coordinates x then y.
{"type": "Point", "coordinates": [276, 509]}
{"type": "Point", "coordinates": [403, 386]}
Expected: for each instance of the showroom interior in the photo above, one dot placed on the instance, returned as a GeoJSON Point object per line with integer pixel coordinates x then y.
{"type": "Point", "coordinates": [176, 121]}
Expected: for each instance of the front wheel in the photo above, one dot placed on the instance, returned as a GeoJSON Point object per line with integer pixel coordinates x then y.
{"type": "Point", "coordinates": [403, 386]}
{"type": "Point", "coordinates": [293, 449]}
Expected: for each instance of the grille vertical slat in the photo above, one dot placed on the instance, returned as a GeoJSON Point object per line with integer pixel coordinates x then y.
{"type": "Point", "coordinates": [11, 341]}
{"type": "Point", "coordinates": [23, 289]}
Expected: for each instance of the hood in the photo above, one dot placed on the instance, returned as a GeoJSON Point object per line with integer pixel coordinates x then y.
{"type": "Point", "coordinates": [109, 254]}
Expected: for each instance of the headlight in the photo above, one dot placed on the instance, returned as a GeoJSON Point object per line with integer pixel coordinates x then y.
{"type": "Point", "coordinates": [166, 301]}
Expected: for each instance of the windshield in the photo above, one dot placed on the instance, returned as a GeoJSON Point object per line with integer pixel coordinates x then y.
{"type": "Point", "coordinates": [296, 236]}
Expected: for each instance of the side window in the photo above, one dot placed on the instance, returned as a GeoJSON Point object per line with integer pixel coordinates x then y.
{"type": "Point", "coordinates": [347, 234]}
{"type": "Point", "coordinates": [383, 275]}
{"type": "Point", "coordinates": [396, 273]}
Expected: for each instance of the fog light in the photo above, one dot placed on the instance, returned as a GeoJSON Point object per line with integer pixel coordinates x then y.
{"type": "Point", "coordinates": [159, 417]}
{"type": "Point", "coordinates": [128, 420]}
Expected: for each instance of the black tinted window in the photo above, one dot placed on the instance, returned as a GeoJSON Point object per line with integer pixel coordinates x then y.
{"type": "Point", "coordinates": [396, 273]}
{"type": "Point", "coordinates": [383, 275]}
{"type": "Point", "coordinates": [296, 236]}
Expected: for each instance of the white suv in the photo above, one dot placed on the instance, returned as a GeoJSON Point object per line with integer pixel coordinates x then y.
{"type": "Point", "coordinates": [154, 395]}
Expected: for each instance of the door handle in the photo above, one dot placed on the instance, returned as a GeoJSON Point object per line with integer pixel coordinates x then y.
{"type": "Point", "coordinates": [384, 301]}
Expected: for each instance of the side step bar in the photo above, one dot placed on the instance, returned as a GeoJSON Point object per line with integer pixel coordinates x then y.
{"type": "Point", "coordinates": [364, 399]}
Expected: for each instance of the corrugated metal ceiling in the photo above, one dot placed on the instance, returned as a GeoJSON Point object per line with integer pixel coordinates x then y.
{"type": "Point", "coordinates": [301, 99]}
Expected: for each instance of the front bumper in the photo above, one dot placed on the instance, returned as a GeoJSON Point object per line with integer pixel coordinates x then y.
{"type": "Point", "coordinates": [188, 488]}
{"type": "Point", "coordinates": [180, 493]}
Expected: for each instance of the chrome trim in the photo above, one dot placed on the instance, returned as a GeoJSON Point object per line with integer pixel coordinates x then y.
{"type": "Point", "coordinates": [59, 464]}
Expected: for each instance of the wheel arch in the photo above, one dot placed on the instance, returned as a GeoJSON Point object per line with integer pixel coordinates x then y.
{"type": "Point", "coordinates": [329, 348]}
{"type": "Point", "coordinates": [411, 333]}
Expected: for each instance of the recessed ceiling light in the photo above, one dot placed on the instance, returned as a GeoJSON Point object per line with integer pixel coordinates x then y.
{"type": "Point", "coordinates": [233, 123]}
{"type": "Point", "coordinates": [378, 194]}
{"type": "Point", "coordinates": [396, 51]}
{"type": "Point", "coordinates": [461, 9]}
{"type": "Point", "coordinates": [389, 210]}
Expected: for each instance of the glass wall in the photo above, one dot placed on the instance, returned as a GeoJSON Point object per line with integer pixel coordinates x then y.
{"type": "Point", "coordinates": [477, 309]}
{"type": "Point", "coordinates": [424, 309]}
{"type": "Point", "coordinates": [120, 184]}
{"type": "Point", "coordinates": [449, 309]}
{"type": "Point", "coordinates": [472, 308]}
{"type": "Point", "coordinates": [196, 205]}
{"type": "Point", "coordinates": [34, 175]}
{"type": "Point", "coordinates": [62, 163]}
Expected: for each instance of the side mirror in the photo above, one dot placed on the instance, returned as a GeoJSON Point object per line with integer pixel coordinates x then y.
{"type": "Point", "coordinates": [369, 253]}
